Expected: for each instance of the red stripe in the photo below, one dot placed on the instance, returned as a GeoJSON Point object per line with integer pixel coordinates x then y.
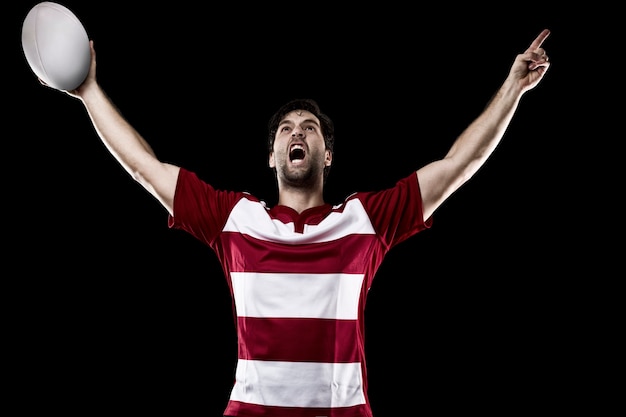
{"type": "Point", "coordinates": [299, 340]}
{"type": "Point", "coordinates": [235, 407]}
{"type": "Point", "coordinates": [247, 254]}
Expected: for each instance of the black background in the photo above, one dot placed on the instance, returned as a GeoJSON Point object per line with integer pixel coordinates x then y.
{"type": "Point", "coordinates": [109, 311]}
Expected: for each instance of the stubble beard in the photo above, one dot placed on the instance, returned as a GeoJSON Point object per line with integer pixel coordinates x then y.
{"type": "Point", "coordinates": [305, 177]}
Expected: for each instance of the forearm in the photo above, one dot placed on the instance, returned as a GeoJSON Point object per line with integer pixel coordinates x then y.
{"type": "Point", "coordinates": [129, 148]}
{"type": "Point", "coordinates": [119, 137]}
{"type": "Point", "coordinates": [478, 141]}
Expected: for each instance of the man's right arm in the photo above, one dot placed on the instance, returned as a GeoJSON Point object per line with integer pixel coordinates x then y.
{"type": "Point", "coordinates": [126, 144]}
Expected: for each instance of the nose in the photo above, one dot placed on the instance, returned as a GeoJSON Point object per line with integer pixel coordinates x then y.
{"type": "Point", "coordinates": [297, 133]}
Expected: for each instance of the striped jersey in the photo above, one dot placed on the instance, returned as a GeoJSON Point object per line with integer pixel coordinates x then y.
{"type": "Point", "coordinates": [299, 283]}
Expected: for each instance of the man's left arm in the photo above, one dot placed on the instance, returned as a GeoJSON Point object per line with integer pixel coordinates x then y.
{"type": "Point", "coordinates": [439, 179]}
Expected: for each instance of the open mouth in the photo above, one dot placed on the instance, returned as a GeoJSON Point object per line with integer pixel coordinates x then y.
{"type": "Point", "coordinates": [296, 153]}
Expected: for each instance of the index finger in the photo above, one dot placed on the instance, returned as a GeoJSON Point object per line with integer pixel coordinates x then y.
{"type": "Point", "coordinates": [539, 40]}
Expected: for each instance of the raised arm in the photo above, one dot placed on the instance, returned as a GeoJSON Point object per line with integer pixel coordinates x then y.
{"type": "Point", "coordinates": [439, 179]}
{"type": "Point", "coordinates": [124, 142]}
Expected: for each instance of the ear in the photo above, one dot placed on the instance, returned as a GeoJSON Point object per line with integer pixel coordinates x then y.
{"type": "Point", "coordinates": [271, 162]}
{"type": "Point", "coordinates": [329, 158]}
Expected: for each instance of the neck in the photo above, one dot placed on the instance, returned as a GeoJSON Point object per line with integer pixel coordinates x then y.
{"type": "Point", "coordinates": [300, 199]}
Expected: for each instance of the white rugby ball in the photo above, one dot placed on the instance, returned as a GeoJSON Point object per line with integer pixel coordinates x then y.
{"type": "Point", "coordinates": [56, 45]}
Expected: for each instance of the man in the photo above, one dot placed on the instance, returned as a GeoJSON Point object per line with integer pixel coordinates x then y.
{"type": "Point", "coordinates": [299, 272]}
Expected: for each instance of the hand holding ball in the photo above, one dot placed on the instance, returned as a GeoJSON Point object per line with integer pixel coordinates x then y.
{"type": "Point", "coordinates": [56, 46]}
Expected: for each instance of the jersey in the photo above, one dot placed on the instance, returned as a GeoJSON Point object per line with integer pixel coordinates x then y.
{"type": "Point", "coordinates": [299, 283]}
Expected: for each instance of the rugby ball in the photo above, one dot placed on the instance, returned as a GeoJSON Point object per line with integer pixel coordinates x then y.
{"type": "Point", "coordinates": [56, 45]}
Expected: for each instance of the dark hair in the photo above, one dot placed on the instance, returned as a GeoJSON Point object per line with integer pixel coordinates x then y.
{"type": "Point", "coordinates": [326, 123]}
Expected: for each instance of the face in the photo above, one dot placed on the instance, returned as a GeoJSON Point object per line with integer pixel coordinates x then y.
{"type": "Point", "coordinates": [299, 155]}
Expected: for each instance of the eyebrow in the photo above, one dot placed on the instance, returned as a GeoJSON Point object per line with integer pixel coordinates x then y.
{"type": "Point", "coordinates": [288, 121]}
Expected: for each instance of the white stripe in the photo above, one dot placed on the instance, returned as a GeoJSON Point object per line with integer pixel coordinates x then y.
{"type": "Point", "coordinates": [331, 296]}
{"type": "Point", "coordinates": [298, 384]}
{"type": "Point", "coordinates": [251, 218]}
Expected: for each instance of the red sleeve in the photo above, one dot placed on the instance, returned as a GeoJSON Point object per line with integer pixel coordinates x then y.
{"type": "Point", "coordinates": [396, 213]}
{"type": "Point", "coordinates": [200, 209]}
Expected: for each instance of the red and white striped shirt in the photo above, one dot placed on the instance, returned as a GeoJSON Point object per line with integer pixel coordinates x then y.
{"type": "Point", "coordinates": [299, 284]}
